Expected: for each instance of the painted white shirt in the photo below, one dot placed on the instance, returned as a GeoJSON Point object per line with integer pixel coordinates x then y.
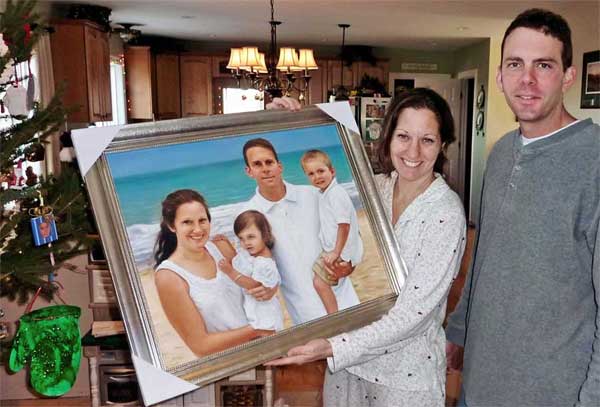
{"type": "Point", "coordinates": [260, 314]}
{"type": "Point", "coordinates": [335, 207]}
{"type": "Point", "coordinates": [219, 300]}
{"type": "Point", "coordinates": [295, 224]}
{"type": "Point", "coordinates": [405, 349]}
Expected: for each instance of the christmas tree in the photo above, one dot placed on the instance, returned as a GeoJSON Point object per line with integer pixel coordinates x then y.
{"type": "Point", "coordinates": [25, 267]}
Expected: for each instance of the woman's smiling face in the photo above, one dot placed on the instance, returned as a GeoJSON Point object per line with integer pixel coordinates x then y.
{"type": "Point", "coordinates": [415, 144]}
{"type": "Point", "coordinates": [191, 226]}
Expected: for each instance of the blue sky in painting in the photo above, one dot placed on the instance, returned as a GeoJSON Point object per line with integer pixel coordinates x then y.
{"type": "Point", "coordinates": [159, 159]}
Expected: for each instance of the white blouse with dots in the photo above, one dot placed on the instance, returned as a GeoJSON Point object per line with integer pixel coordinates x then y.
{"type": "Point", "coordinates": [405, 349]}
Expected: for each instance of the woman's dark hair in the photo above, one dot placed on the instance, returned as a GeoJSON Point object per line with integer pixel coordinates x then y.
{"type": "Point", "coordinates": [418, 98]}
{"type": "Point", "coordinates": [256, 218]}
{"type": "Point", "coordinates": [166, 242]}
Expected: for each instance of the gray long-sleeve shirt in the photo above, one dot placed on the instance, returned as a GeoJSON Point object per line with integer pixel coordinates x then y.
{"type": "Point", "coordinates": [528, 316]}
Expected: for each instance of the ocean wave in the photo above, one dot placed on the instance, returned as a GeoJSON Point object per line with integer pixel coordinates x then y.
{"type": "Point", "coordinates": [142, 237]}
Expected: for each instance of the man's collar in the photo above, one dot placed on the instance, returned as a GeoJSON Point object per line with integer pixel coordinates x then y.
{"type": "Point", "coordinates": [264, 205]}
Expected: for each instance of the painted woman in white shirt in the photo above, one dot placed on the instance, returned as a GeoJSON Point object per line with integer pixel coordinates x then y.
{"type": "Point", "coordinates": [254, 266]}
{"type": "Point", "coordinates": [202, 304]}
{"type": "Point", "coordinates": [400, 359]}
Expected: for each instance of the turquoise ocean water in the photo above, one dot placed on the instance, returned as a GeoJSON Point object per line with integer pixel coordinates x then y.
{"type": "Point", "coordinates": [220, 183]}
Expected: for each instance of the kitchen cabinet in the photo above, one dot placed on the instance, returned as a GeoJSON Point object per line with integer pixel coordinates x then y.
{"type": "Point", "coordinates": [167, 86]}
{"type": "Point", "coordinates": [380, 70]}
{"type": "Point", "coordinates": [196, 87]}
{"type": "Point", "coordinates": [334, 74]}
{"type": "Point", "coordinates": [138, 74]}
{"type": "Point", "coordinates": [81, 61]}
{"type": "Point", "coordinates": [318, 84]}
{"type": "Point", "coordinates": [354, 73]}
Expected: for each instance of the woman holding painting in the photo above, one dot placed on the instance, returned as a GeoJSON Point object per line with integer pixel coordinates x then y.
{"type": "Point", "coordinates": [400, 359]}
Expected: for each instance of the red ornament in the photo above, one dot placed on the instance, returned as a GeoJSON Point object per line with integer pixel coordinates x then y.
{"type": "Point", "coordinates": [27, 29]}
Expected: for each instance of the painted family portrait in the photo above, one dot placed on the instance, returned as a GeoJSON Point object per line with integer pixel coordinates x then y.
{"type": "Point", "coordinates": [219, 263]}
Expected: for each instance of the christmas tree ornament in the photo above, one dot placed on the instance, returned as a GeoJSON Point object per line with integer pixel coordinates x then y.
{"type": "Point", "coordinates": [30, 90]}
{"type": "Point", "coordinates": [43, 225]}
{"type": "Point", "coordinates": [34, 152]}
{"type": "Point", "coordinates": [3, 331]}
{"type": "Point", "coordinates": [67, 152]}
{"type": "Point", "coordinates": [32, 178]}
{"type": "Point", "coordinates": [18, 171]}
{"type": "Point", "coordinates": [15, 100]}
{"type": "Point", "coordinates": [49, 340]}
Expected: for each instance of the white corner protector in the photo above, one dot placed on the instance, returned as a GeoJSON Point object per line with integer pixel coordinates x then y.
{"type": "Point", "coordinates": [341, 112]}
{"type": "Point", "coordinates": [90, 143]}
{"type": "Point", "coordinates": [157, 385]}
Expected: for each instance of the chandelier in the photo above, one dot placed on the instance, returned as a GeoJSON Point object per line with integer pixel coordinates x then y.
{"type": "Point", "coordinates": [259, 72]}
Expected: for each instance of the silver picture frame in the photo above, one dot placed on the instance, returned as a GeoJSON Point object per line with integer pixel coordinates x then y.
{"type": "Point", "coordinates": [108, 212]}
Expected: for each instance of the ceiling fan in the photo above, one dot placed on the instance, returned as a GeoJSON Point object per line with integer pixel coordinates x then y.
{"type": "Point", "coordinates": [126, 32]}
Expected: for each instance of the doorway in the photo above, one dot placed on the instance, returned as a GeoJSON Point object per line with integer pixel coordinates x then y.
{"type": "Point", "coordinates": [465, 140]}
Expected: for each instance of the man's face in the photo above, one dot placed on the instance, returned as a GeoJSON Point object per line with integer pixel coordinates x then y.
{"type": "Point", "coordinates": [263, 167]}
{"type": "Point", "coordinates": [532, 77]}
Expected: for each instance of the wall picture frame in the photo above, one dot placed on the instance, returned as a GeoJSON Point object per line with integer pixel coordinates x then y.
{"type": "Point", "coordinates": [145, 162]}
{"type": "Point", "coordinates": [590, 80]}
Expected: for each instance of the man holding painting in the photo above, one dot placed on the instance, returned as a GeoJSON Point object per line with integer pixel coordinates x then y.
{"type": "Point", "coordinates": [292, 211]}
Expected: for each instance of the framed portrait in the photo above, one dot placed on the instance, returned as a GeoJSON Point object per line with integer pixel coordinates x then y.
{"type": "Point", "coordinates": [43, 229]}
{"type": "Point", "coordinates": [135, 188]}
{"type": "Point", "coordinates": [590, 80]}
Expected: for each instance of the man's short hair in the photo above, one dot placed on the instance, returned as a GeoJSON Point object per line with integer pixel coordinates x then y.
{"type": "Point", "coordinates": [547, 23]}
{"type": "Point", "coordinates": [316, 155]}
{"type": "Point", "coordinates": [258, 142]}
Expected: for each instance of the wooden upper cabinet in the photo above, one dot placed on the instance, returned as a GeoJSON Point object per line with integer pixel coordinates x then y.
{"type": "Point", "coordinates": [334, 77]}
{"type": "Point", "coordinates": [219, 67]}
{"type": "Point", "coordinates": [167, 95]}
{"type": "Point", "coordinates": [318, 84]}
{"type": "Point", "coordinates": [380, 71]}
{"type": "Point", "coordinates": [81, 60]}
{"type": "Point", "coordinates": [98, 73]}
{"type": "Point", "coordinates": [196, 85]}
{"type": "Point", "coordinates": [138, 73]}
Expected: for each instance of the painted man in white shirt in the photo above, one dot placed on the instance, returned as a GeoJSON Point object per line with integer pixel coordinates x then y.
{"type": "Point", "coordinates": [292, 211]}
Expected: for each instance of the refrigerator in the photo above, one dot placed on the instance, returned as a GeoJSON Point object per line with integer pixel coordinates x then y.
{"type": "Point", "coordinates": [370, 112]}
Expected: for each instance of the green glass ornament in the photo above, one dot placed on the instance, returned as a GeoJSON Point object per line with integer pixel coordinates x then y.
{"type": "Point", "coordinates": [49, 339]}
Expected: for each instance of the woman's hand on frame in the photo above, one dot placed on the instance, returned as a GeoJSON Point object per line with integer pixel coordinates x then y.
{"type": "Point", "coordinates": [315, 349]}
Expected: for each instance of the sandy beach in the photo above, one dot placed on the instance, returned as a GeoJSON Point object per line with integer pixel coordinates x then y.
{"type": "Point", "coordinates": [369, 280]}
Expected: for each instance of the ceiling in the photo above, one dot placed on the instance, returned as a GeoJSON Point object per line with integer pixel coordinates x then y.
{"type": "Point", "coordinates": [423, 25]}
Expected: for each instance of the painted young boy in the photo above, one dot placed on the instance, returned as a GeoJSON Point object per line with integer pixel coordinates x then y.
{"type": "Point", "coordinates": [339, 234]}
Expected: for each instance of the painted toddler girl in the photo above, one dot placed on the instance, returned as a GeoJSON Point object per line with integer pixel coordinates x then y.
{"type": "Point", "coordinates": [254, 266]}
